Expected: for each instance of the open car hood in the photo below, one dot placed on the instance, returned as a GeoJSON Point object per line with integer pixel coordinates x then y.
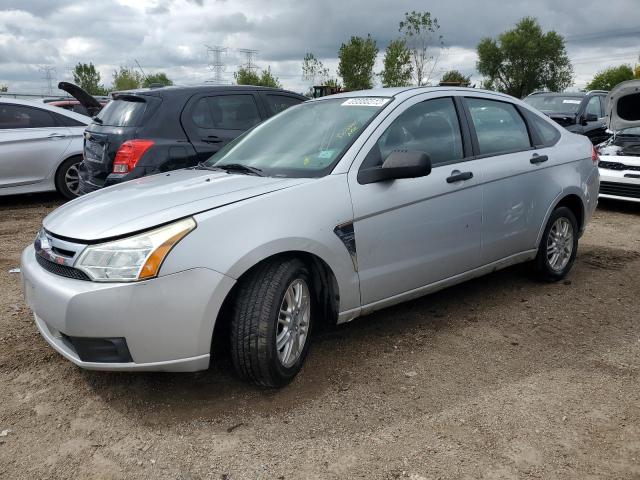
{"type": "Point", "coordinates": [623, 106]}
{"type": "Point", "coordinates": [87, 101]}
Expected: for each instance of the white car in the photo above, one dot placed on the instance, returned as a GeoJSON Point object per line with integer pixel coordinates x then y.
{"type": "Point", "coordinates": [620, 155]}
{"type": "Point", "coordinates": [40, 147]}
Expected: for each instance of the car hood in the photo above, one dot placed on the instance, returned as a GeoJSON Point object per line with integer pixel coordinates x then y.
{"type": "Point", "coordinates": [623, 106]}
{"type": "Point", "coordinates": [150, 201]}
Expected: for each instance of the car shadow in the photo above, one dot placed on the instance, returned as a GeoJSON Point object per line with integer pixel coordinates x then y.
{"type": "Point", "coordinates": [30, 200]}
{"type": "Point", "coordinates": [339, 356]}
{"type": "Point", "coordinates": [619, 206]}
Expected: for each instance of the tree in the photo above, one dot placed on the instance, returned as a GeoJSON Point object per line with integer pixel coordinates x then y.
{"type": "Point", "coordinates": [357, 59]}
{"type": "Point", "coordinates": [126, 79]}
{"type": "Point", "coordinates": [420, 32]}
{"type": "Point", "coordinates": [455, 76]}
{"type": "Point", "coordinates": [397, 65]}
{"type": "Point", "coordinates": [313, 68]}
{"type": "Point", "coordinates": [609, 77]}
{"type": "Point", "coordinates": [246, 76]}
{"type": "Point", "coordinates": [159, 78]}
{"type": "Point", "coordinates": [88, 78]}
{"type": "Point", "coordinates": [525, 59]}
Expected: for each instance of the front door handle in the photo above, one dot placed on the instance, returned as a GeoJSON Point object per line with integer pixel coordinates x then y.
{"type": "Point", "coordinates": [56, 135]}
{"type": "Point", "coordinates": [536, 159]}
{"type": "Point", "coordinates": [459, 176]}
{"type": "Point", "coordinates": [212, 139]}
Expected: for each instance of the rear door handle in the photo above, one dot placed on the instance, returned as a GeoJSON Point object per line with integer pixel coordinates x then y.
{"type": "Point", "coordinates": [459, 177]}
{"type": "Point", "coordinates": [56, 135]}
{"type": "Point", "coordinates": [212, 139]}
{"type": "Point", "coordinates": [536, 159]}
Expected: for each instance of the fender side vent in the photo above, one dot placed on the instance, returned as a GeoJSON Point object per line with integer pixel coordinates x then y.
{"type": "Point", "coordinates": [347, 235]}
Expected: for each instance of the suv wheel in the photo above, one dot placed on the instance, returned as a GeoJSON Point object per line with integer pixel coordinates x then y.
{"type": "Point", "coordinates": [271, 322]}
{"type": "Point", "coordinates": [67, 177]}
{"type": "Point", "coordinates": [558, 246]}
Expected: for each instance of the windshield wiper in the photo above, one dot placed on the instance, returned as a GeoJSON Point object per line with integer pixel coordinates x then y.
{"type": "Point", "coordinates": [240, 168]}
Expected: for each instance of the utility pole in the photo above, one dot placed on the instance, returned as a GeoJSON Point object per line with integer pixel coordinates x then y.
{"type": "Point", "coordinates": [48, 75]}
{"type": "Point", "coordinates": [216, 65]}
{"type": "Point", "coordinates": [249, 56]}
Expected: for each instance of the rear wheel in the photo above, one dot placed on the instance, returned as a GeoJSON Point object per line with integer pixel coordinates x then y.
{"type": "Point", "coordinates": [271, 322]}
{"type": "Point", "coordinates": [558, 246]}
{"type": "Point", "coordinates": [67, 177]}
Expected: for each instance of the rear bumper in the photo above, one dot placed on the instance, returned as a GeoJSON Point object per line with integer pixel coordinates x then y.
{"type": "Point", "coordinates": [90, 182]}
{"type": "Point", "coordinates": [167, 322]}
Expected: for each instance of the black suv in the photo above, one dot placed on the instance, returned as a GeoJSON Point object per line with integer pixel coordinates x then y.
{"type": "Point", "coordinates": [578, 112]}
{"type": "Point", "coordinates": [147, 131]}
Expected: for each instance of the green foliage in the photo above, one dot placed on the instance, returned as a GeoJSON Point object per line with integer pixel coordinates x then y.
{"type": "Point", "coordinates": [88, 78]}
{"type": "Point", "coordinates": [126, 79]}
{"type": "Point", "coordinates": [397, 70]}
{"type": "Point", "coordinates": [246, 76]}
{"type": "Point", "coordinates": [313, 70]}
{"type": "Point", "coordinates": [457, 77]}
{"type": "Point", "coordinates": [608, 78]}
{"type": "Point", "coordinates": [4, 87]}
{"type": "Point", "coordinates": [356, 62]}
{"type": "Point", "coordinates": [159, 78]}
{"type": "Point", "coordinates": [420, 31]}
{"type": "Point", "coordinates": [525, 59]}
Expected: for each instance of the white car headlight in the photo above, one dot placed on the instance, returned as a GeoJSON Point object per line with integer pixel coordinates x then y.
{"type": "Point", "coordinates": [133, 258]}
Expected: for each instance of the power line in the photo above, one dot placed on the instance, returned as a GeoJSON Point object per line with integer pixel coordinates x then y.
{"type": "Point", "coordinates": [216, 65]}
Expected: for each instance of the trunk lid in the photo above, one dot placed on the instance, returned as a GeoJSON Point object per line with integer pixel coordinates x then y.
{"type": "Point", "coordinates": [623, 106]}
{"type": "Point", "coordinates": [92, 105]}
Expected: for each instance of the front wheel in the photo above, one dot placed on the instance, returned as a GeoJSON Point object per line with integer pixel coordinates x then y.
{"type": "Point", "coordinates": [558, 246]}
{"type": "Point", "coordinates": [271, 322]}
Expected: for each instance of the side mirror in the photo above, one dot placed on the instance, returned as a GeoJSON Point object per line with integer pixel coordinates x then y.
{"type": "Point", "coordinates": [399, 164]}
{"type": "Point", "coordinates": [589, 117]}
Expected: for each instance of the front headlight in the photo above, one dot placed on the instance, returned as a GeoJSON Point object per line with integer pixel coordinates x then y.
{"type": "Point", "coordinates": [133, 258]}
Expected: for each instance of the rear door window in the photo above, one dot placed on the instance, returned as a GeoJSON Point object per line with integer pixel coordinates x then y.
{"type": "Point", "coordinates": [123, 112]}
{"type": "Point", "coordinates": [499, 126]}
{"type": "Point", "coordinates": [233, 112]}
{"type": "Point", "coordinates": [279, 103]}
{"type": "Point", "coordinates": [21, 116]}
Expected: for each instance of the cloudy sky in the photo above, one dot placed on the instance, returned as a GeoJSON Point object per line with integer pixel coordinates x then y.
{"type": "Point", "coordinates": [170, 35]}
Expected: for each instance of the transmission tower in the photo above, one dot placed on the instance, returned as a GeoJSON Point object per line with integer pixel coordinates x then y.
{"type": "Point", "coordinates": [249, 55]}
{"type": "Point", "coordinates": [216, 65]}
{"type": "Point", "coordinates": [48, 75]}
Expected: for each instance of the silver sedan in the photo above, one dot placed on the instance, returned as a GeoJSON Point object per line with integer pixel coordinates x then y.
{"type": "Point", "coordinates": [328, 211]}
{"type": "Point", "coordinates": [40, 147]}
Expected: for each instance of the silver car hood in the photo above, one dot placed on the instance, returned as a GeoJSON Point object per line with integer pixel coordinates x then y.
{"type": "Point", "coordinates": [149, 201]}
{"type": "Point", "coordinates": [623, 106]}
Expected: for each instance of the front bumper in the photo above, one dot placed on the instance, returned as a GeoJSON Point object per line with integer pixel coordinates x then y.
{"type": "Point", "coordinates": [167, 322]}
{"type": "Point", "coordinates": [619, 185]}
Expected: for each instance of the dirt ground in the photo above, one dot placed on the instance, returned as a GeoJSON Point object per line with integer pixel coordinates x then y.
{"type": "Point", "coordinates": [497, 378]}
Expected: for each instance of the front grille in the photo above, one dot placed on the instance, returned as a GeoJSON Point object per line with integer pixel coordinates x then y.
{"type": "Point", "coordinates": [618, 166]}
{"type": "Point", "coordinates": [61, 270]}
{"type": "Point", "coordinates": [620, 189]}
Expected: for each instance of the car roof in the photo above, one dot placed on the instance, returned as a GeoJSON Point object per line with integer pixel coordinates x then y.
{"type": "Point", "coordinates": [403, 93]}
{"type": "Point", "coordinates": [45, 106]}
{"type": "Point", "coordinates": [191, 89]}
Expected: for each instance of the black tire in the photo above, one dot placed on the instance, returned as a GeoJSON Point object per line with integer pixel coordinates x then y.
{"type": "Point", "coordinates": [254, 322]}
{"type": "Point", "coordinates": [61, 177]}
{"type": "Point", "coordinates": [543, 267]}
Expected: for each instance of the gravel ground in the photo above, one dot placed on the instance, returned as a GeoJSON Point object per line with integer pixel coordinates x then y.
{"type": "Point", "coordinates": [498, 378]}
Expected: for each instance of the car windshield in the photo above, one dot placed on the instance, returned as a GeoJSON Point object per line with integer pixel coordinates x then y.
{"type": "Point", "coordinates": [303, 141]}
{"type": "Point", "coordinates": [555, 103]}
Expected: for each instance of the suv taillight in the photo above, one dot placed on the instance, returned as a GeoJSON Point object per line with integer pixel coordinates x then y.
{"type": "Point", "coordinates": [129, 154]}
{"type": "Point", "coordinates": [594, 155]}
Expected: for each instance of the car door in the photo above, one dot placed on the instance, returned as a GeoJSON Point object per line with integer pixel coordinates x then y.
{"type": "Point", "coordinates": [212, 121]}
{"type": "Point", "coordinates": [518, 185]}
{"type": "Point", "coordinates": [414, 232]}
{"type": "Point", "coordinates": [276, 102]}
{"type": "Point", "coordinates": [32, 144]}
{"type": "Point", "coordinates": [593, 120]}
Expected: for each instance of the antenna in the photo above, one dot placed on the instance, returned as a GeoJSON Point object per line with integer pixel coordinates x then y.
{"type": "Point", "coordinates": [144, 75]}
{"type": "Point", "coordinates": [249, 56]}
{"type": "Point", "coordinates": [216, 65]}
{"type": "Point", "coordinates": [48, 75]}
